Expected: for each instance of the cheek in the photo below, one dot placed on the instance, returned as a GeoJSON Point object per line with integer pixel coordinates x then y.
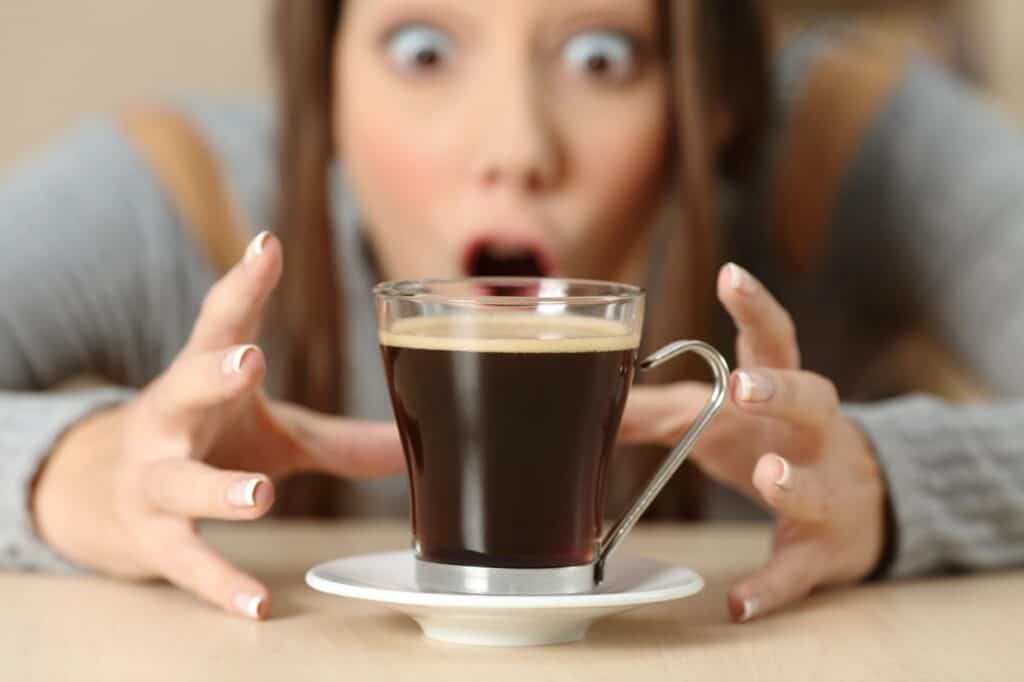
{"type": "Point", "coordinates": [395, 173]}
{"type": "Point", "coordinates": [623, 174]}
{"type": "Point", "coordinates": [619, 178]}
{"type": "Point", "coordinates": [398, 170]}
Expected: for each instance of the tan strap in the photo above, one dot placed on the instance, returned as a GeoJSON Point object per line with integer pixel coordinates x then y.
{"type": "Point", "coordinates": [182, 161]}
{"type": "Point", "coordinates": [844, 91]}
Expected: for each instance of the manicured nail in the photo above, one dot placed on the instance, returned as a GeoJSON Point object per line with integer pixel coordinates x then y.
{"type": "Point", "coordinates": [233, 360]}
{"type": "Point", "coordinates": [739, 279]}
{"type": "Point", "coordinates": [784, 479]}
{"type": "Point", "coordinates": [750, 608]}
{"type": "Point", "coordinates": [243, 493]}
{"type": "Point", "coordinates": [255, 247]}
{"type": "Point", "coordinates": [249, 604]}
{"type": "Point", "coordinates": [755, 387]}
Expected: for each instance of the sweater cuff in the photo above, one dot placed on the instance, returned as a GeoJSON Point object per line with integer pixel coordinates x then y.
{"type": "Point", "coordinates": [30, 426]}
{"type": "Point", "coordinates": [908, 444]}
{"type": "Point", "coordinates": [949, 496]}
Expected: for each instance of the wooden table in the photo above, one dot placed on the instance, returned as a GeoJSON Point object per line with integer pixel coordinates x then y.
{"type": "Point", "coordinates": [95, 629]}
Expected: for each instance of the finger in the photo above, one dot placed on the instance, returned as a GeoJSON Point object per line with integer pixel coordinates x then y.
{"type": "Point", "coordinates": [231, 310]}
{"type": "Point", "coordinates": [803, 398]}
{"type": "Point", "coordinates": [792, 491]}
{"type": "Point", "coordinates": [790, 575]}
{"type": "Point", "coordinates": [660, 415]}
{"type": "Point", "coordinates": [346, 447]}
{"type": "Point", "coordinates": [186, 487]}
{"type": "Point", "coordinates": [766, 335]}
{"type": "Point", "coordinates": [196, 382]}
{"type": "Point", "coordinates": [187, 562]}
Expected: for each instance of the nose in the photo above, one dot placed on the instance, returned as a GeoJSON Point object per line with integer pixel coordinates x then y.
{"type": "Point", "coordinates": [518, 145]}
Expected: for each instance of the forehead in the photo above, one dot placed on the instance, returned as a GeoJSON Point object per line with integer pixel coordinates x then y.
{"type": "Point", "coordinates": [510, 14]}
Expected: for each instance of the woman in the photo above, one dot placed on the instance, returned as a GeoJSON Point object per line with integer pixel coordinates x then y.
{"type": "Point", "coordinates": [615, 140]}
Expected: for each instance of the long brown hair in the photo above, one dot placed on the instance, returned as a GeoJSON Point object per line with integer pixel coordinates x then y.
{"type": "Point", "coordinates": [718, 52]}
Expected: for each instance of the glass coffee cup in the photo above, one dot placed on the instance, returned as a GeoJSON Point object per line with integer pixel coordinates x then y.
{"type": "Point", "coordinates": [508, 393]}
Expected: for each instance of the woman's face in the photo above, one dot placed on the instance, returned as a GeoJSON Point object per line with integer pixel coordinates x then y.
{"type": "Point", "coordinates": [502, 137]}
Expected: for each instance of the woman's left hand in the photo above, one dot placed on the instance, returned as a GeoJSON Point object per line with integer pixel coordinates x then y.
{"type": "Point", "coordinates": [780, 439]}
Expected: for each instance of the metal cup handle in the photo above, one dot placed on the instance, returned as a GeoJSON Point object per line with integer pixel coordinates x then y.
{"type": "Point", "coordinates": [679, 454]}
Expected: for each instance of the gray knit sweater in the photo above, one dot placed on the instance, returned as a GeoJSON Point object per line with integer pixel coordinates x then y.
{"type": "Point", "coordinates": [98, 276]}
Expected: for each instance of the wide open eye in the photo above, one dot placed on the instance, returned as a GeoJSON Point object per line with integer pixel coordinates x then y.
{"type": "Point", "coordinates": [418, 48]}
{"type": "Point", "coordinates": [605, 55]}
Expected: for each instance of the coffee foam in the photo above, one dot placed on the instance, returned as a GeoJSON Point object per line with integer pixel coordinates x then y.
{"type": "Point", "coordinates": [511, 333]}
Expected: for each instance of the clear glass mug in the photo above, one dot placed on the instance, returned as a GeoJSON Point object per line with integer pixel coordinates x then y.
{"type": "Point", "coordinates": [508, 393]}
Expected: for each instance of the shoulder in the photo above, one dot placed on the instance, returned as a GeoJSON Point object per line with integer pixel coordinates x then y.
{"type": "Point", "coordinates": [834, 53]}
{"type": "Point", "coordinates": [97, 168]}
{"type": "Point", "coordinates": [794, 61]}
{"type": "Point", "coordinates": [91, 156]}
{"type": "Point", "coordinates": [85, 182]}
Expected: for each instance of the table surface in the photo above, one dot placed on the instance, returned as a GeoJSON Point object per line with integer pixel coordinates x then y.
{"type": "Point", "coordinates": [54, 628]}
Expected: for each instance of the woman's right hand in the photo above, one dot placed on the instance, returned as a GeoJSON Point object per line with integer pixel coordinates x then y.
{"type": "Point", "coordinates": [123, 488]}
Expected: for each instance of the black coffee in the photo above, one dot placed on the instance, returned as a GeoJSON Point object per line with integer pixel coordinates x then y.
{"type": "Point", "coordinates": [508, 433]}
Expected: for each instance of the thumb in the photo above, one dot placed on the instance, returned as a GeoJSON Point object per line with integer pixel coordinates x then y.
{"type": "Point", "coordinates": [790, 575]}
{"type": "Point", "coordinates": [352, 448]}
{"type": "Point", "coordinates": [660, 415]}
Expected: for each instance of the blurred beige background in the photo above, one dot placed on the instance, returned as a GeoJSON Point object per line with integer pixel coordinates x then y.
{"type": "Point", "coordinates": [63, 59]}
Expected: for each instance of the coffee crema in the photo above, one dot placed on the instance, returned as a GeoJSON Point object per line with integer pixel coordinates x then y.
{"type": "Point", "coordinates": [511, 333]}
{"type": "Point", "coordinates": [508, 423]}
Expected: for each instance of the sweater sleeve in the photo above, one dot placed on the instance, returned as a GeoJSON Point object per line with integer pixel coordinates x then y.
{"type": "Point", "coordinates": [933, 208]}
{"type": "Point", "coordinates": [95, 278]}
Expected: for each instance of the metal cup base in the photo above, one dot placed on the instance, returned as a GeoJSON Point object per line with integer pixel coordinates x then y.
{"type": "Point", "coordinates": [487, 580]}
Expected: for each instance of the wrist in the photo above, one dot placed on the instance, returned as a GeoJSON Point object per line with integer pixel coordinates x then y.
{"type": "Point", "coordinates": [876, 496]}
{"type": "Point", "coordinates": [63, 477]}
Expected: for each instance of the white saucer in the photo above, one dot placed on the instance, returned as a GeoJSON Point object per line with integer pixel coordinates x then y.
{"type": "Point", "coordinates": [502, 620]}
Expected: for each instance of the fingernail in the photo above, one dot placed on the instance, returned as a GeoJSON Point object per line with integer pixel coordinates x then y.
{"type": "Point", "coordinates": [255, 247]}
{"type": "Point", "coordinates": [740, 279]}
{"type": "Point", "coordinates": [754, 387]}
{"type": "Point", "coordinates": [786, 476]}
{"type": "Point", "coordinates": [233, 360]}
{"type": "Point", "coordinates": [249, 604]}
{"type": "Point", "coordinates": [750, 608]}
{"type": "Point", "coordinates": [243, 493]}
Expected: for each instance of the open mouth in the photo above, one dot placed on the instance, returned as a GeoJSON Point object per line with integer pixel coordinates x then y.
{"type": "Point", "coordinates": [489, 259]}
